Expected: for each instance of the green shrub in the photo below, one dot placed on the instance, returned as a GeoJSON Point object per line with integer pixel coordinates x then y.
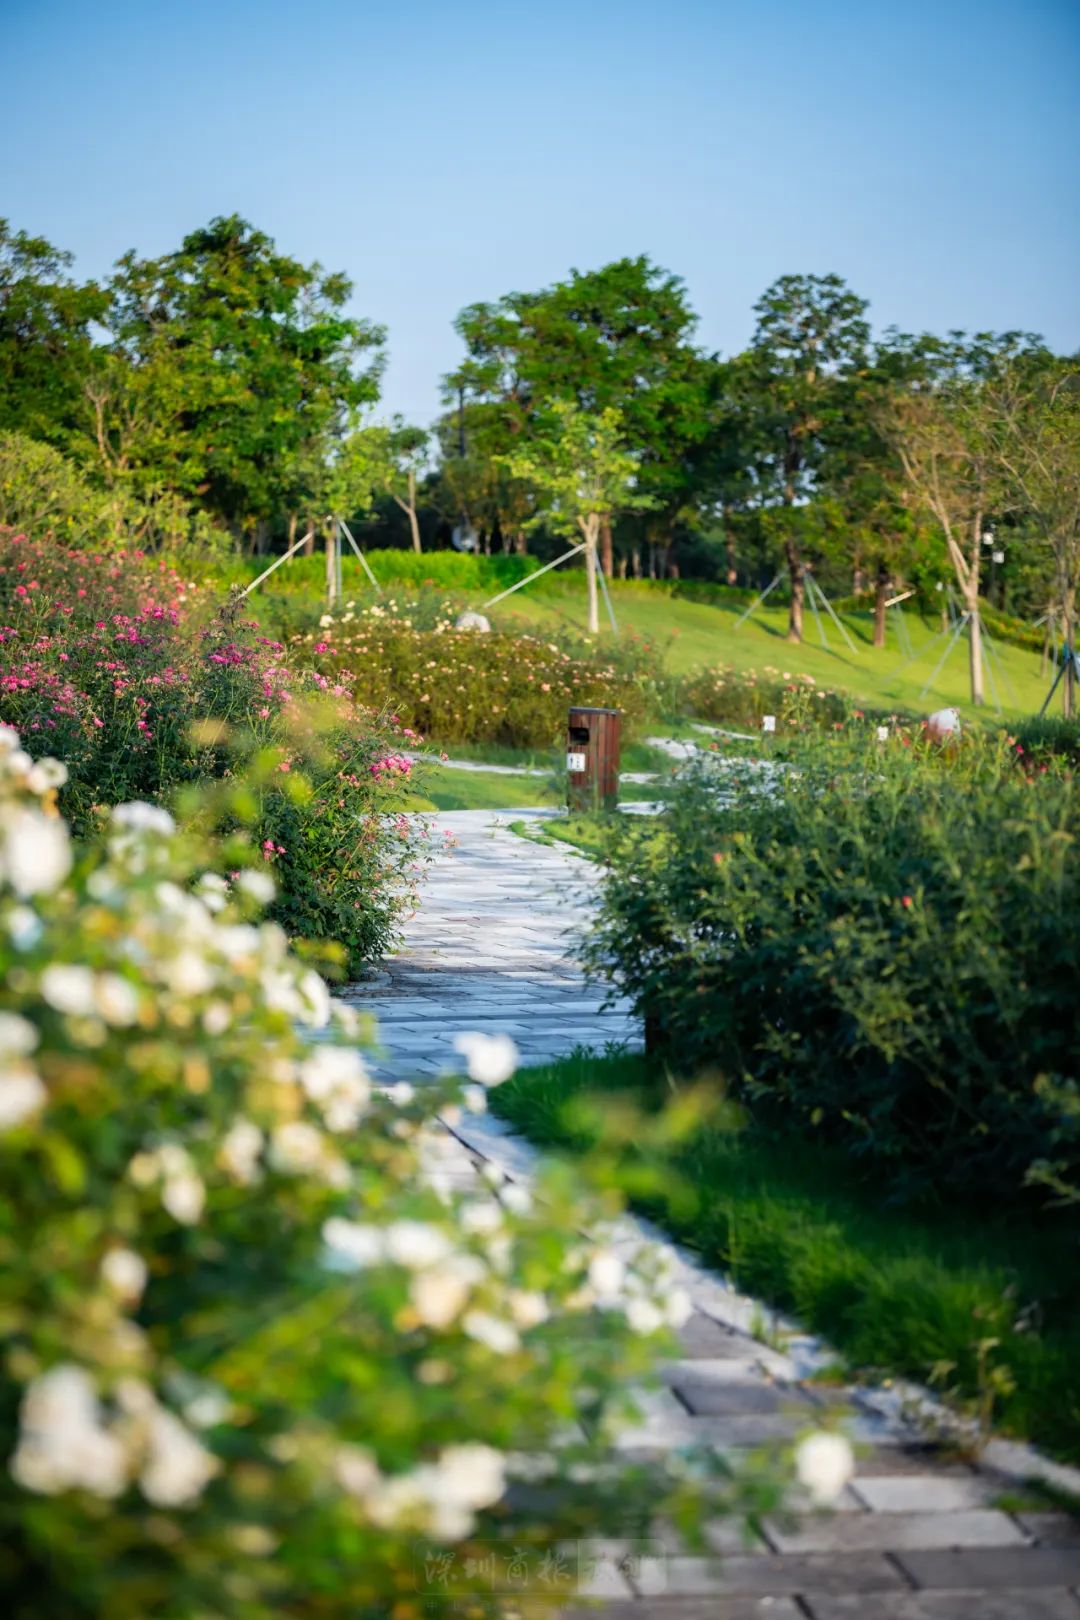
{"type": "Point", "coordinates": [261, 1356]}
{"type": "Point", "coordinates": [42, 492]}
{"type": "Point", "coordinates": [880, 945]}
{"type": "Point", "coordinates": [470, 686]}
{"type": "Point", "coordinates": [741, 697]}
{"type": "Point", "coordinates": [104, 659]}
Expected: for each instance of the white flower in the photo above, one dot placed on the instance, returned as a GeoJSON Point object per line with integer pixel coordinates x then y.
{"type": "Point", "coordinates": [18, 1037]}
{"type": "Point", "coordinates": [296, 1147]}
{"type": "Point", "coordinates": [475, 1099]}
{"type": "Point", "coordinates": [63, 1444]}
{"type": "Point", "coordinates": [9, 739]}
{"type": "Point", "coordinates": [316, 997]}
{"type": "Point", "coordinates": [217, 1018]}
{"type": "Point", "coordinates": [336, 1079]}
{"type": "Point", "coordinates": [138, 816]}
{"type": "Point", "coordinates": [187, 974]}
{"type": "Point", "coordinates": [177, 1465]}
{"type": "Point", "coordinates": [352, 1244]}
{"type": "Point", "coordinates": [399, 1501]}
{"type": "Point", "coordinates": [35, 851]}
{"type": "Point", "coordinates": [125, 1273]}
{"type": "Point", "coordinates": [517, 1199]}
{"type": "Point", "coordinates": [471, 1475]}
{"type": "Point", "coordinates": [356, 1470]}
{"type": "Point", "coordinates": [184, 1197]}
{"type": "Point", "coordinates": [400, 1093]}
{"type": "Point", "coordinates": [259, 885]}
{"type": "Point", "coordinates": [480, 1216]}
{"type": "Point", "coordinates": [69, 988]}
{"type": "Point", "coordinates": [527, 1307]}
{"type": "Point", "coordinates": [416, 1244]}
{"type": "Point", "coordinates": [643, 1316]}
{"type": "Point", "coordinates": [498, 1335]}
{"type": "Point", "coordinates": [824, 1463]}
{"type": "Point", "coordinates": [607, 1274]}
{"type": "Point", "coordinates": [24, 927]}
{"type": "Point", "coordinates": [208, 1408]}
{"type": "Point", "coordinates": [490, 1059]}
{"type": "Point", "coordinates": [678, 1307]}
{"type": "Point", "coordinates": [344, 1015]}
{"type": "Point", "coordinates": [438, 1297]}
{"type": "Point", "coordinates": [240, 1149]}
{"type": "Point", "coordinates": [22, 1095]}
{"type": "Point", "coordinates": [326, 621]}
{"type": "Point", "coordinates": [117, 1001]}
{"type": "Point", "coordinates": [46, 774]}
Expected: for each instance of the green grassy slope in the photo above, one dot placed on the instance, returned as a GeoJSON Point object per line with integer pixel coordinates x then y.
{"type": "Point", "coordinates": [700, 634]}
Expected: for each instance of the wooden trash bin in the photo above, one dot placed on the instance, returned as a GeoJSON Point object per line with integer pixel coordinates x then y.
{"type": "Point", "coordinates": [592, 758]}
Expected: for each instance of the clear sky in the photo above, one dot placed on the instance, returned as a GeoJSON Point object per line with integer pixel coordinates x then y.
{"type": "Point", "coordinates": [445, 151]}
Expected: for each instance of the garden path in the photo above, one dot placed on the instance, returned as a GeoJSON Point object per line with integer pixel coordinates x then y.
{"type": "Point", "coordinates": [915, 1537]}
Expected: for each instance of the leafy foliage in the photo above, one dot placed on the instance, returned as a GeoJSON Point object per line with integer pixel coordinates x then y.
{"type": "Point", "coordinates": [469, 686]}
{"type": "Point", "coordinates": [262, 1355]}
{"type": "Point", "coordinates": [878, 946]}
{"type": "Point", "coordinates": [141, 688]}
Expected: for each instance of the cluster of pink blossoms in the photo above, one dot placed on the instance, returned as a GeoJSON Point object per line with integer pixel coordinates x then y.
{"type": "Point", "coordinates": [391, 765]}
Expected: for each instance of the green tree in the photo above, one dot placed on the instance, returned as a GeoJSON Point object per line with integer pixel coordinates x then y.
{"type": "Point", "coordinates": [46, 320]}
{"type": "Point", "coordinates": [942, 427]}
{"type": "Point", "coordinates": [581, 475]}
{"type": "Point", "coordinates": [618, 338]}
{"type": "Point", "coordinates": [809, 345]}
{"type": "Point", "coordinates": [1036, 438]}
{"type": "Point", "coordinates": [227, 363]}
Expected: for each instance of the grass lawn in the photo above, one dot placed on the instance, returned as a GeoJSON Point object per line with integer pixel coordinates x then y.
{"type": "Point", "coordinates": [704, 634]}
{"type": "Point", "coordinates": [897, 1291]}
{"type": "Point", "coordinates": [482, 790]}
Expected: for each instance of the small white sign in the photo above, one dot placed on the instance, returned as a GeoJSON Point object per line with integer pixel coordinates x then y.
{"type": "Point", "coordinates": [882, 733]}
{"type": "Point", "coordinates": [575, 762]}
{"type": "Point", "coordinates": [768, 722]}
{"type": "Point", "coordinates": [998, 556]}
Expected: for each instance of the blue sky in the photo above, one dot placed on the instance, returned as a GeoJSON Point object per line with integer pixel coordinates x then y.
{"type": "Point", "coordinates": [442, 153]}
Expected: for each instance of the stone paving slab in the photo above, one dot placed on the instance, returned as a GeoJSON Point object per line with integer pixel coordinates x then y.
{"type": "Point", "coordinates": [914, 1537]}
{"type": "Point", "coordinates": [1015, 1605]}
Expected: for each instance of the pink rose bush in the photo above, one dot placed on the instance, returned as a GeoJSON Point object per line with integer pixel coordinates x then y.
{"type": "Point", "coordinates": [143, 686]}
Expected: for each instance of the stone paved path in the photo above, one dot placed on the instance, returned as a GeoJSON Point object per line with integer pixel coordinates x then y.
{"type": "Point", "coordinates": [914, 1537]}
{"type": "Point", "coordinates": [490, 950]}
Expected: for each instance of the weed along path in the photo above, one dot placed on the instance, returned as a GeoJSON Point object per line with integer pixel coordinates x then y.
{"type": "Point", "coordinates": [916, 1536]}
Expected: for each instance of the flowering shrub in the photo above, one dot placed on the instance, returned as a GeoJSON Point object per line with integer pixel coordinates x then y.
{"type": "Point", "coordinates": [742, 697]}
{"type": "Point", "coordinates": [104, 659]}
{"type": "Point", "coordinates": [469, 686]}
{"type": "Point", "coordinates": [263, 1356]}
{"type": "Point", "coordinates": [882, 947]}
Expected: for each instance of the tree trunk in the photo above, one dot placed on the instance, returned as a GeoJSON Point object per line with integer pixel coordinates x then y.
{"type": "Point", "coordinates": [881, 596]}
{"type": "Point", "coordinates": [413, 524]}
{"type": "Point", "coordinates": [331, 566]}
{"type": "Point", "coordinates": [1068, 696]}
{"type": "Point", "coordinates": [635, 561]}
{"type": "Point", "coordinates": [622, 567]}
{"type": "Point", "coordinates": [975, 660]}
{"type": "Point", "coordinates": [732, 574]}
{"type": "Point", "coordinates": [520, 542]}
{"type": "Point", "coordinates": [590, 578]}
{"type": "Point", "coordinates": [798, 591]}
{"type": "Point", "coordinates": [607, 549]}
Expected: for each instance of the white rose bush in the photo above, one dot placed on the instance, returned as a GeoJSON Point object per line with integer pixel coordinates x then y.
{"type": "Point", "coordinates": [262, 1351]}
